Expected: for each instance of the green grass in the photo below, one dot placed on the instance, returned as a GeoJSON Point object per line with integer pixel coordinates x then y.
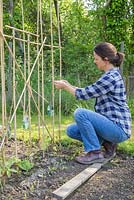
{"type": "Point", "coordinates": [24, 135]}
{"type": "Point", "coordinates": [128, 146]}
{"type": "Point", "coordinates": [32, 136]}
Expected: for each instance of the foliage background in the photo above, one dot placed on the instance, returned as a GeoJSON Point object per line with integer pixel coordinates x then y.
{"type": "Point", "coordinates": [83, 24]}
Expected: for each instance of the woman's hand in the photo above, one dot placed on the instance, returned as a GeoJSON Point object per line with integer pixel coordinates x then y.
{"type": "Point", "coordinates": [61, 84]}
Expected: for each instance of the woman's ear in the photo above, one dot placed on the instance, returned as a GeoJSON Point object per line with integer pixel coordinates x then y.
{"type": "Point", "coordinates": [106, 58]}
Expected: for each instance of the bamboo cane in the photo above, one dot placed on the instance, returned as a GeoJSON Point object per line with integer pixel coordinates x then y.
{"type": "Point", "coordinates": [14, 95]}
{"type": "Point", "coordinates": [39, 122]}
{"type": "Point", "coordinates": [29, 93]}
{"type": "Point", "coordinates": [42, 72]}
{"type": "Point", "coordinates": [2, 147]}
{"type": "Point", "coordinates": [52, 56]}
{"type": "Point", "coordinates": [60, 61]}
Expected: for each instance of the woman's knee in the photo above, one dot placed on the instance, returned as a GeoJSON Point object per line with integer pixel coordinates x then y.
{"type": "Point", "coordinates": [78, 113]}
{"type": "Point", "coordinates": [81, 114]}
{"type": "Point", "coordinates": [69, 131]}
{"type": "Point", "coordinates": [73, 132]}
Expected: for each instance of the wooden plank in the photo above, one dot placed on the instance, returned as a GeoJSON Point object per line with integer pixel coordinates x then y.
{"type": "Point", "coordinates": [67, 188]}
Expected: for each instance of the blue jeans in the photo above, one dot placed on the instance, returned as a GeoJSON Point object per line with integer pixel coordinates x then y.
{"type": "Point", "coordinates": [93, 128]}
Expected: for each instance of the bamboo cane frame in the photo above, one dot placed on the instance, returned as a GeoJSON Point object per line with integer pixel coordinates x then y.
{"type": "Point", "coordinates": [27, 80]}
{"type": "Point", "coordinates": [26, 84]}
{"type": "Point", "coordinates": [31, 42]}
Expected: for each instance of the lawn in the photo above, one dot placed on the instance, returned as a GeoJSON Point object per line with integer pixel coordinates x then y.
{"type": "Point", "coordinates": [32, 136]}
{"type": "Point", "coordinates": [128, 146]}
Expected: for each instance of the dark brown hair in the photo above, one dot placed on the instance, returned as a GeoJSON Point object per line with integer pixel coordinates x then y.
{"type": "Point", "coordinates": [108, 50]}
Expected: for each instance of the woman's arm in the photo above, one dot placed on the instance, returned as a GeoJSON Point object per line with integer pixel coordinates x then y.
{"type": "Point", "coordinates": [102, 86]}
{"type": "Point", "coordinates": [63, 84]}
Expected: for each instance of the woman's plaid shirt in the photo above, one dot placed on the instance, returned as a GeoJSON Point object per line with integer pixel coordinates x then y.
{"type": "Point", "coordinates": [110, 95]}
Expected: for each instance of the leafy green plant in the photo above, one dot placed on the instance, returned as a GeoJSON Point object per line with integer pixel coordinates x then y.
{"type": "Point", "coordinates": [13, 165]}
{"type": "Point", "coordinates": [25, 165]}
{"type": "Point", "coordinates": [7, 169]}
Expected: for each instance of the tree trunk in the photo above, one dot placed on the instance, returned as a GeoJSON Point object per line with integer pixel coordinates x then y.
{"type": "Point", "coordinates": [56, 9]}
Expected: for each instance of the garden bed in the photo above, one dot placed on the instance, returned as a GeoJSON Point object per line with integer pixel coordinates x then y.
{"type": "Point", "coordinates": [53, 168]}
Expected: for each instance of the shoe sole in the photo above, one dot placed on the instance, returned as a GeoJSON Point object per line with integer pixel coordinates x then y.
{"type": "Point", "coordinates": [92, 162]}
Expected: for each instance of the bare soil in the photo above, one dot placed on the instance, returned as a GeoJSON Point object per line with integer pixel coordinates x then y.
{"type": "Point", "coordinates": [114, 181]}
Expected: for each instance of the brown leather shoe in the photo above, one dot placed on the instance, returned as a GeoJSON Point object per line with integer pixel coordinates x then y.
{"type": "Point", "coordinates": [90, 158]}
{"type": "Point", "coordinates": [110, 149]}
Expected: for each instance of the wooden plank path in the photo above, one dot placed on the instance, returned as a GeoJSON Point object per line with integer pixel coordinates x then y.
{"type": "Point", "coordinates": [66, 189]}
